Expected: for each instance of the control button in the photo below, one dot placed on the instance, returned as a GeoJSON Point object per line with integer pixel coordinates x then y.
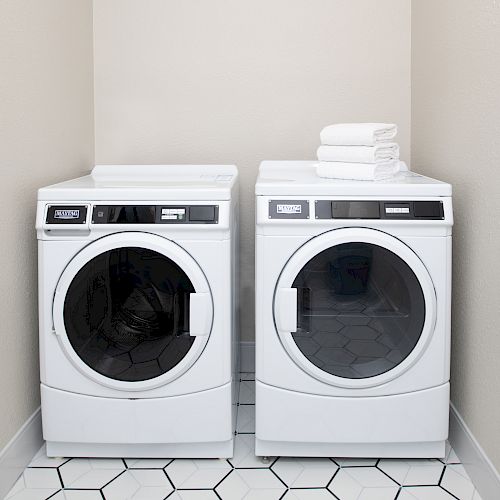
{"type": "Point", "coordinates": [397, 209]}
{"type": "Point", "coordinates": [428, 209]}
{"type": "Point", "coordinates": [181, 212]}
{"type": "Point", "coordinates": [202, 213]}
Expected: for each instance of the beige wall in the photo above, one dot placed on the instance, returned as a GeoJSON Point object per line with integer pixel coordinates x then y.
{"type": "Point", "coordinates": [239, 81]}
{"type": "Point", "coordinates": [46, 135]}
{"type": "Point", "coordinates": [456, 137]}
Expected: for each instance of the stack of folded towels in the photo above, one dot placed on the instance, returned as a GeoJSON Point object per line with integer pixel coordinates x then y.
{"type": "Point", "coordinates": [361, 151]}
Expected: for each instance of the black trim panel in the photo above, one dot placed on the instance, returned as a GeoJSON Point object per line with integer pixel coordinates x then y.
{"type": "Point", "coordinates": [155, 214]}
{"type": "Point", "coordinates": [367, 209]}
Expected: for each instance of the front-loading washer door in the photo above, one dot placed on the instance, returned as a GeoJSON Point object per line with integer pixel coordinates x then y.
{"type": "Point", "coordinates": [355, 307]}
{"type": "Point", "coordinates": [133, 310]}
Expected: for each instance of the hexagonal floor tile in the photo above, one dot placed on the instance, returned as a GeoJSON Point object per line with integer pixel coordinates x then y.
{"type": "Point", "coordinates": [197, 474]}
{"type": "Point", "coordinates": [17, 488]}
{"type": "Point", "coordinates": [457, 482]}
{"type": "Point", "coordinates": [308, 494]}
{"type": "Point", "coordinates": [90, 473]}
{"type": "Point", "coordinates": [42, 460]}
{"type": "Point", "coordinates": [251, 484]}
{"type": "Point", "coordinates": [193, 495]}
{"type": "Point", "coordinates": [244, 454]}
{"type": "Point", "coordinates": [21, 491]}
{"type": "Point", "coordinates": [77, 495]}
{"type": "Point", "coordinates": [424, 493]}
{"type": "Point", "coordinates": [245, 422]}
{"type": "Point", "coordinates": [139, 484]}
{"type": "Point", "coordinates": [355, 462]}
{"type": "Point", "coordinates": [450, 455]}
{"type": "Point", "coordinates": [413, 472]}
{"type": "Point", "coordinates": [366, 483]}
{"type": "Point", "coordinates": [41, 478]}
{"type": "Point", "coordinates": [305, 472]}
{"type": "Point", "coordinates": [247, 392]}
{"type": "Point", "coordinates": [147, 463]}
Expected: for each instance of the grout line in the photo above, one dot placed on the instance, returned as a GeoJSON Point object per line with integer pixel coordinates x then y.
{"type": "Point", "coordinates": [53, 494]}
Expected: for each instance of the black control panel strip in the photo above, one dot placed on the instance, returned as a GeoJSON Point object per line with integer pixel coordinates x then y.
{"type": "Point", "coordinates": [155, 214]}
{"type": "Point", "coordinates": [367, 209]}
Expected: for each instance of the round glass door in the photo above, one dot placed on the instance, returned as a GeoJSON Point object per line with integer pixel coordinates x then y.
{"type": "Point", "coordinates": [354, 307]}
{"type": "Point", "coordinates": [126, 314]}
{"type": "Point", "coordinates": [361, 310]}
{"type": "Point", "coordinates": [133, 311]}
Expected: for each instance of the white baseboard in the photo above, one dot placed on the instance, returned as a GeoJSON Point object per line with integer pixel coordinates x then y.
{"type": "Point", "coordinates": [19, 451]}
{"type": "Point", "coordinates": [247, 352]}
{"type": "Point", "coordinates": [479, 467]}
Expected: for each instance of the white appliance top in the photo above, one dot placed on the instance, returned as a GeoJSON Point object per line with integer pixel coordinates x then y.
{"type": "Point", "coordinates": [147, 182]}
{"type": "Point", "coordinates": [283, 178]}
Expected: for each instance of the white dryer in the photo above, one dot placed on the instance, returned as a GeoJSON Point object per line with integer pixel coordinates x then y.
{"type": "Point", "coordinates": [138, 311]}
{"type": "Point", "coordinates": [353, 283]}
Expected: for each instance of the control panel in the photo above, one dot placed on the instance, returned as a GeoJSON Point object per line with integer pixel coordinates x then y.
{"type": "Point", "coordinates": [155, 214]}
{"type": "Point", "coordinates": [367, 209]}
{"type": "Point", "coordinates": [133, 214]}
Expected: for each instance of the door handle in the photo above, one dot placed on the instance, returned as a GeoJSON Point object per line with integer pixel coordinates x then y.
{"type": "Point", "coordinates": [286, 309]}
{"type": "Point", "coordinates": [200, 314]}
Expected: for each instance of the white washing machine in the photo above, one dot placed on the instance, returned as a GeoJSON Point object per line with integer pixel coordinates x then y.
{"type": "Point", "coordinates": [353, 283]}
{"type": "Point", "coordinates": [138, 311]}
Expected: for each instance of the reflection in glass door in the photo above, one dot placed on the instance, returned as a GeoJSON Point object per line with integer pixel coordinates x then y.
{"type": "Point", "coordinates": [126, 314]}
{"type": "Point", "coordinates": [361, 310]}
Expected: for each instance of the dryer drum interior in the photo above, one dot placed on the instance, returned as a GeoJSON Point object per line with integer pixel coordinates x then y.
{"type": "Point", "coordinates": [361, 310]}
{"type": "Point", "coordinates": [126, 314]}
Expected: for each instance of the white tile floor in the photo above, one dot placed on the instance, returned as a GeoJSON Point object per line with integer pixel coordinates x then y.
{"type": "Point", "coordinates": [244, 476]}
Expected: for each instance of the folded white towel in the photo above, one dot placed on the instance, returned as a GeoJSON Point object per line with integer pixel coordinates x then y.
{"type": "Point", "coordinates": [358, 134]}
{"type": "Point", "coordinates": [382, 152]}
{"type": "Point", "coordinates": [357, 171]}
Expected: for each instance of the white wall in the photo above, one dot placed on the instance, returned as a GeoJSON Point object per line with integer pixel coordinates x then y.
{"type": "Point", "coordinates": [239, 81]}
{"type": "Point", "coordinates": [46, 135]}
{"type": "Point", "coordinates": [456, 137]}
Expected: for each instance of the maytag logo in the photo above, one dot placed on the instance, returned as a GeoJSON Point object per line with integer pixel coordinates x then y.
{"type": "Point", "coordinates": [289, 209]}
{"type": "Point", "coordinates": [66, 214]}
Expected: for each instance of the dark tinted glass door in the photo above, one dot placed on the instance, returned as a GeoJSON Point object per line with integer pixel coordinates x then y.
{"type": "Point", "coordinates": [126, 314]}
{"type": "Point", "coordinates": [361, 310]}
